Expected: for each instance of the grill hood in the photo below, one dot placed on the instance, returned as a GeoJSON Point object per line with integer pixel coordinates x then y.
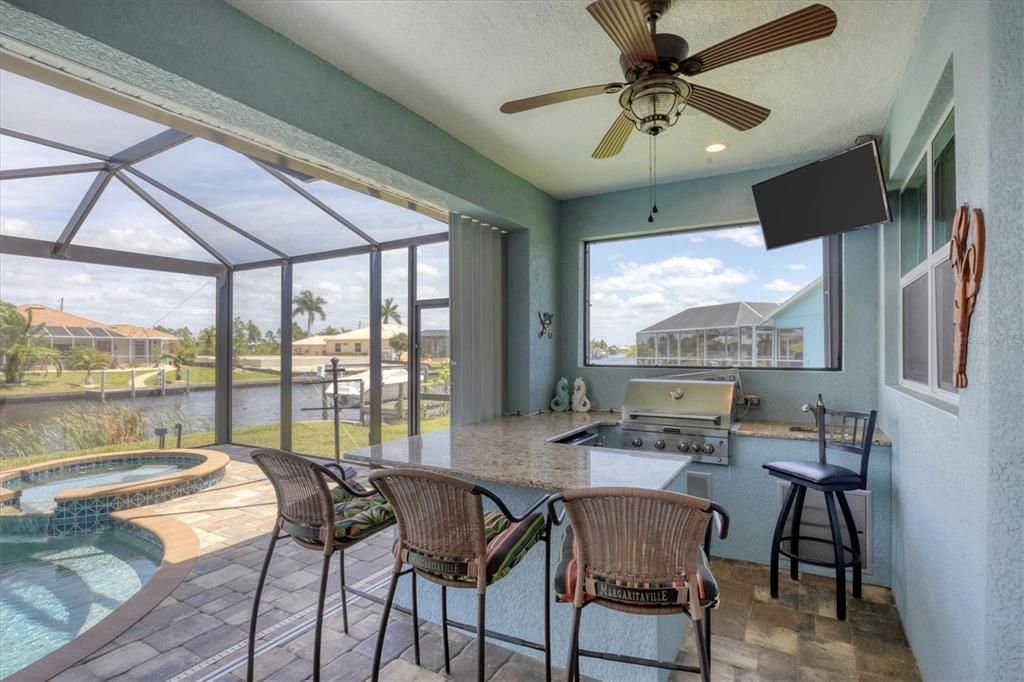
{"type": "Point", "coordinates": [675, 402]}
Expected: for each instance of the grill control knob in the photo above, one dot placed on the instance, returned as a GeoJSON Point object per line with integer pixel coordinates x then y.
{"type": "Point", "coordinates": [695, 446]}
{"type": "Point", "coordinates": [637, 442]}
{"type": "Point", "coordinates": [708, 448]}
{"type": "Point", "coordinates": [683, 447]}
{"type": "Point", "coordinates": [659, 444]}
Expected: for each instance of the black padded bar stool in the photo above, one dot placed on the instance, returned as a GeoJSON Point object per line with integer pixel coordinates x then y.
{"type": "Point", "coordinates": [837, 430]}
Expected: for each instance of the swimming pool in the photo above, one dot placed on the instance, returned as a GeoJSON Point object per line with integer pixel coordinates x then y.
{"type": "Point", "coordinates": [38, 497]}
{"type": "Point", "coordinates": [56, 589]}
{"type": "Point", "coordinates": [78, 495]}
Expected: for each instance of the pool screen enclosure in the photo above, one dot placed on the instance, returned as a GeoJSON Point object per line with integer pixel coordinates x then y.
{"type": "Point", "coordinates": [236, 211]}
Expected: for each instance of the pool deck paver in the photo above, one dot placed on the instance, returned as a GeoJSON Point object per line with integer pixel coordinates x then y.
{"type": "Point", "coordinates": [208, 613]}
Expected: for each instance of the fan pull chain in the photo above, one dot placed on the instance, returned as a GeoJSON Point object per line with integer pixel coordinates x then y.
{"type": "Point", "coordinates": [654, 187]}
{"type": "Point", "coordinates": [652, 176]}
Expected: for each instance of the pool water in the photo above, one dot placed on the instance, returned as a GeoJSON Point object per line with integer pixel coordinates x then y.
{"type": "Point", "coordinates": [38, 497]}
{"type": "Point", "coordinates": [52, 591]}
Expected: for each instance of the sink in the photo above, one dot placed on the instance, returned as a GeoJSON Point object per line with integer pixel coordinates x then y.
{"type": "Point", "coordinates": [804, 429]}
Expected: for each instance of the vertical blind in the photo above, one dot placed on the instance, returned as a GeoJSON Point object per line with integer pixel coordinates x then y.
{"type": "Point", "coordinates": [477, 319]}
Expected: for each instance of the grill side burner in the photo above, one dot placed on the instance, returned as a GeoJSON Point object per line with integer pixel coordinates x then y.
{"type": "Point", "coordinates": [682, 416]}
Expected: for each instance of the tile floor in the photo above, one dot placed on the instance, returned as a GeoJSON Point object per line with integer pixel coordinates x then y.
{"type": "Point", "coordinates": [198, 633]}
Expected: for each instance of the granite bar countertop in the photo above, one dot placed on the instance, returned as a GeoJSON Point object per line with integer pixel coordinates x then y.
{"type": "Point", "coordinates": [792, 431]}
{"type": "Point", "coordinates": [515, 450]}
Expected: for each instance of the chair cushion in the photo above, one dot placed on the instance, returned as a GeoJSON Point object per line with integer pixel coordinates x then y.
{"type": "Point", "coordinates": [360, 517]}
{"type": "Point", "coordinates": [339, 494]}
{"type": "Point", "coordinates": [507, 544]}
{"type": "Point", "coordinates": [815, 472]}
{"type": "Point", "coordinates": [565, 582]}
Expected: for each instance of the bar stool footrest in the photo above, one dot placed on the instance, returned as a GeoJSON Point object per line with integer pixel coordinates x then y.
{"type": "Point", "coordinates": [850, 558]}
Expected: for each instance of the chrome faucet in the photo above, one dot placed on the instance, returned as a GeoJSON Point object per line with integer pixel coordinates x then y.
{"type": "Point", "coordinates": [816, 410]}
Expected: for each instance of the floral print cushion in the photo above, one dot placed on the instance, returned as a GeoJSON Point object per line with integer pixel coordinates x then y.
{"type": "Point", "coordinates": [361, 516]}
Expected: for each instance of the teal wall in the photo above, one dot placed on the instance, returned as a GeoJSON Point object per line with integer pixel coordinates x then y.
{"type": "Point", "coordinates": [214, 60]}
{"type": "Point", "coordinates": [958, 473]}
{"type": "Point", "coordinates": [809, 314]}
{"type": "Point", "coordinates": [719, 200]}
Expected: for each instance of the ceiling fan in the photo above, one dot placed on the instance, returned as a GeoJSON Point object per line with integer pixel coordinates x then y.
{"type": "Point", "coordinates": [654, 64]}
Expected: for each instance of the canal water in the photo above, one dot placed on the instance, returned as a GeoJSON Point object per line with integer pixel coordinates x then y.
{"type": "Point", "coordinates": [251, 405]}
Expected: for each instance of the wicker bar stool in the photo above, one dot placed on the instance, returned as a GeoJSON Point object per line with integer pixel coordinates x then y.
{"type": "Point", "coordinates": [638, 551]}
{"type": "Point", "coordinates": [316, 518]}
{"type": "Point", "coordinates": [446, 537]}
{"type": "Point", "coordinates": [837, 430]}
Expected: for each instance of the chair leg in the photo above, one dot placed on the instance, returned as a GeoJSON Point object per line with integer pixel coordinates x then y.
{"type": "Point", "coordinates": [320, 616]}
{"type": "Point", "coordinates": [256, 599]}
{"type": "Point", "coordinates": [794, 529]}
{"type": "Point", "coordinates": [707, 631]}
{"type": "Point", "coordinates": [344, 594]}
{"type": "Point", "coordinates": [415, 621]}
{"type": "Point", "coordinates": [480, 639]}
{"type": "Point", "coordinates": [777, 540]}
{"type": "Point", "coordinates": [840, 556]}
{"type": "Point", "coordinates": [547, 606]}
{"type": "Point", "coordinates": [574, 645]}
{"type": "Point", "coordinates": [851, 528]}
{"type": "Point", "coordinates": [379, 649]}
{"type": "Point", "coordinates": [703, 637]}
{"type": "Point", "coordinates": [444, 629]}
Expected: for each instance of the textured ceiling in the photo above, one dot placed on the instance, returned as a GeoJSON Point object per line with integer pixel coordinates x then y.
{"type": "Point", "coordinates": [455, 62]}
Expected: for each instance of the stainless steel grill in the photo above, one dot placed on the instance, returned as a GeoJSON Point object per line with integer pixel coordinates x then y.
{"type": "Point", "coordinates": [685, 414]}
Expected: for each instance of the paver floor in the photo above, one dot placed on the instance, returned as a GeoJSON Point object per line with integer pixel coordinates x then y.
{"type": "Point", "coordinates": [199, 632]}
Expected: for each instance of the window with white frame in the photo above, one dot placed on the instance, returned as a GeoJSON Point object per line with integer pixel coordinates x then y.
{"type": "Point", "coordinates": [927, 205]}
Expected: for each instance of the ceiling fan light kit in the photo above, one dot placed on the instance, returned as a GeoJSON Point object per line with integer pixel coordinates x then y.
{"type": "Point", "coordinates": [653, 65]}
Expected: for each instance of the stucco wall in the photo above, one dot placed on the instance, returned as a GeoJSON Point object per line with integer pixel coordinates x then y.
{"type": "Point", "coordinates": [958, 474]}
{"type": "Point", "coordinates": [720, 200]}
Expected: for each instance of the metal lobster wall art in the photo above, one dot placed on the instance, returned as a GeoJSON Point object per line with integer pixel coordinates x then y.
{"type": "Point", "coordinates": [967, 257]}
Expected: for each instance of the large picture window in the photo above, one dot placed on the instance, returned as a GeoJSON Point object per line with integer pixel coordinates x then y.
{"type": "Point", "coordinates": [710, 298]}
{"type": "Point", "coordinates": [927, 205]}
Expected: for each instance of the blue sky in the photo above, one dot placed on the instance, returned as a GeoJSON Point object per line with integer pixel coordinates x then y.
{"type": "Point", "coordinates": [637, 282]}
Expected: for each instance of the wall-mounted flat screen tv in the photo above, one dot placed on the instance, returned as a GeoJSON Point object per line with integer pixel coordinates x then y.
{"type": "Point", "coordinates": [837, 194]}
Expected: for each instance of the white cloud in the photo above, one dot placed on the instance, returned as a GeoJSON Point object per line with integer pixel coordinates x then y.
{"type": "Point", "coordinates": [697, 240]}
{"type": "Point", "coordinates": [80, 278]}
{"type": "Point", "coordinates": [796, 266]}
{"type": "Point", "coordinates": [744, 236]}
{"type": "Point", "coordinates": [16, 227]}
{"type": "Point", "coordinates": [636, 295]}
{"type": "Point", "coordinates": [782, 285]}
{"type": "Point", "coordinates": [425, 270]}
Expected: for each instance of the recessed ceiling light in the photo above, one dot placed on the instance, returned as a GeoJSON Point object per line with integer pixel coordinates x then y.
{"type": "Point", "coordinates": [716, 147]}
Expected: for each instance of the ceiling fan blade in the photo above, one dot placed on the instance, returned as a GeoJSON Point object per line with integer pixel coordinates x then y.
{"type": "Point", "coordinates": [517, 105]}
{"type": "Point", "coordinates": [624, 23]}
{"type": "Point", "coordinates": [802, 26]}
{"type": "Point", "coordinates": [615, 139]}
{"type": "Point", "coordinates": [733, 111]}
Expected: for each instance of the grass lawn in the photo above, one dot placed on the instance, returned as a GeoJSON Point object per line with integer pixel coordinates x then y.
{"type": "Point", "coordinates": [311, 438]}
{"type": "Point", "coordinates": [68, 381]}
{"type": "Point", "coordinates": [206, 376]}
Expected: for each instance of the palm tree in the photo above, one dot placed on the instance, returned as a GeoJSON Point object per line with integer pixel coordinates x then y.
{"type": "Point", "coordinates": [181, 355]}
{"type": "Point", "coordinates": [88, 358]}
{"type": "Point", "coordinates": [21, 344]}
{"type": "Point", "coordinates": [389, 312]}
{"type": "Point", "coordinates": [310, 305]}
{"type": "Point", "coordinates": [207, 340]}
